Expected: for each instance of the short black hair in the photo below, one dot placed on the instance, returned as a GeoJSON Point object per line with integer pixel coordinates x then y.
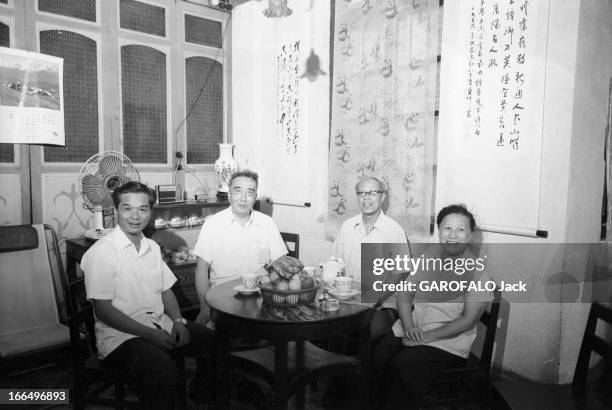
{"type": "Point", "coordinates": [456, 209]}
{"type": "Point", "coordinates": [245, 173]}
{"type": "Point", "coordinates": [134, 187]}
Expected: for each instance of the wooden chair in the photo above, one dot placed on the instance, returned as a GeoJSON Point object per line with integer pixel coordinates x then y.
{"type": "Point", "coordinates": [292, 241]}
{"type": "Point", "coordinates": [31, 297]}
{"type": "Point", "coordinates": [318, 363]}
{"type": "Point", "coordinates": [532, 395]}
{"type": "Point", "coordinates": [471, 383]}
{"type": "Point", "coordinates": [91, 377]}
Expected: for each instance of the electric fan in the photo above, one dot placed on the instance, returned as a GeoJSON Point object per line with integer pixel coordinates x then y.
{"type": "Point", "coordinates": [98, 178]}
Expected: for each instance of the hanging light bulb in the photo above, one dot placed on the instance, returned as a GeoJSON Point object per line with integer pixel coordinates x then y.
{"type": "Point", "coordinates": [277, 8]}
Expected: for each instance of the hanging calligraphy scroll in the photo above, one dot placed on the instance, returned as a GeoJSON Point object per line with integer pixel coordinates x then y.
{"type": "Point", "coordinates": [491, 109]}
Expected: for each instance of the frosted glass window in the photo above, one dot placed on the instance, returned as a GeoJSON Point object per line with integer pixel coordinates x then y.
{"type": "Point", "coordinates": [205, 121]}
{"type": "Point", "coordinates": [142, 17]}
{"type": "Point", "coordinates": [80, 9]}
{"type": "Point", "coordinates": [80, 94]}
{"type": "Point", "coordinates": [203, 31]}
{"type": "Point", "coordinates": [143, 82]}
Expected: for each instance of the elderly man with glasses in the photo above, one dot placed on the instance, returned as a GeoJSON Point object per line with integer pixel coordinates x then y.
{"type": "Point", "coordinates": [370, 226]}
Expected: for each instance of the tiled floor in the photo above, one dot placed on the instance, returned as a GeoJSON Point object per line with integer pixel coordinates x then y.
{"type": "Point", "coordinates": [59, 376]}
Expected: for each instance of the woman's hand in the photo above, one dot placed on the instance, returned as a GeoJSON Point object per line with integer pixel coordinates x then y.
{"type": "Point", "coordinates": [203, 317]}
{"type": "Point", "coordinates": [162, 339]}
{"type": "Point", "coordinates": [413, 336]}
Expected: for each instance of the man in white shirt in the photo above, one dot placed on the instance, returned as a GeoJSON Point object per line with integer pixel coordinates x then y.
{"type": "Point", "coordinates": [138, 319]}
{"type": "Point", "coordinates": [370, 226]}
{"type": "Point", "coordinates": [234, 241]}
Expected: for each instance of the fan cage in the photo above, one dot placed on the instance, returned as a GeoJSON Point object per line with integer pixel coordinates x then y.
{"type": "Point", "coordinates": [101, 174]}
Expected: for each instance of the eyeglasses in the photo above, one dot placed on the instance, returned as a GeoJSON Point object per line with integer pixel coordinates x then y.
{"type": "Point", "coordinates": [368, 194]}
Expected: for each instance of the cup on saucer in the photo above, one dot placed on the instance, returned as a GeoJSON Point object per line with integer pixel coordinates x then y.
{"type": "Point", "coordinates": [249, 281]}
{"type": "Point", "coordinates": [343, 284]}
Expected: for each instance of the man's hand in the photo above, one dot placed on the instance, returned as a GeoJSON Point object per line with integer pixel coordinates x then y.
{"type": "Point", "coordinates": [180, 334]}
{"type": "Point", "coordinates": [162, 339]}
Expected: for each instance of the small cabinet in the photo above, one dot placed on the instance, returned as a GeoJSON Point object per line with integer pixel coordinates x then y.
{"type": "Point", "coordinates": [180, 228]}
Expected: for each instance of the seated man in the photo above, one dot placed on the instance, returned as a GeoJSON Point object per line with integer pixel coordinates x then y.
{"type": "Point", "coordinates": [370, 226]}
{"type": "Point", "coordinates": [234, 241]}
{"type": "Point", "coordinates": [138, 320]}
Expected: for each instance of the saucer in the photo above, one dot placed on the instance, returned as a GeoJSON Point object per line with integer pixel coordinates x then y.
{"type": "Point", "coordinates": [244, 291]}
{"type": "Point", "coordinates": [342, 296]}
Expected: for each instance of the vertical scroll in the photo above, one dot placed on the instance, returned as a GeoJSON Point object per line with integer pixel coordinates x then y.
{"type": "Point", "coordinates": [491, 111]}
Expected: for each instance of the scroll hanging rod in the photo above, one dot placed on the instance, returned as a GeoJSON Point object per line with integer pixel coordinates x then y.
{"type": "Point", "coordinates": [529, 232]}
{"type": "Point", "coordinates": [288, 203]}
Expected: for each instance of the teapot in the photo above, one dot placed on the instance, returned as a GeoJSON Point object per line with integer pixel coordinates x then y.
{"type": "Point", "coordinates": [332, 268]}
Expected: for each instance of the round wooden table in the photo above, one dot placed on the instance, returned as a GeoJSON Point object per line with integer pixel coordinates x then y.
{"type": "Point", "coordinates": [248, 316]}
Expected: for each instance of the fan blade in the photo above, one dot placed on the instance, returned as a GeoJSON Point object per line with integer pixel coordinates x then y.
{"type": "Point", "coordinates": [109, 165]}
{"type": "Point", "coordinates": [92, 190]}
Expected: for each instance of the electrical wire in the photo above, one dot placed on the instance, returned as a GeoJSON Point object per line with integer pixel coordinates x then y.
{"type": "Point", "coordinates": [193, 105]}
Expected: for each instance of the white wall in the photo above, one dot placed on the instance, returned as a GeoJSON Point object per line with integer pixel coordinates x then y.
{"type": "Point", "coordinates": [540, 340]}
{"type": "Point", "coordinates": [254, 38]}
{"type": "Point", "coordinates": [593, 72]}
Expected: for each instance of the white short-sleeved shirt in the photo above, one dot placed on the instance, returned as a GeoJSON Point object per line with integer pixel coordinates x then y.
{"type": "Point", "coordinates": [353, 234]}
{"type": "Point", "coordinates": [232, 249]}
{"type": "Point", "coordinates": [132, 280]}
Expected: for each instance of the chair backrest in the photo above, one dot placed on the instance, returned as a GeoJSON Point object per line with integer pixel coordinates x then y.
{"type": "Point", "coordinates": [31, 289]}
{"type": "Point", "coordinates": [592, 343]}
{"type": "Point", "coordinates": [489, 320]}
{"type": "Point", "coordinates": [292, 241]}
{"type": "Point", "coordinates": [81, 320]}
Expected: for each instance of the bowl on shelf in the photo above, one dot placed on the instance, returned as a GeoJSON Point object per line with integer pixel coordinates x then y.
{"type": "Point", "coordinates": [160, 223]}
{"type": "Point", "coordinates": [176, 222]}
{"type": "Point", "coordinates": [278, 297]}
{"type": "Point", "coordinates": [194, 220]}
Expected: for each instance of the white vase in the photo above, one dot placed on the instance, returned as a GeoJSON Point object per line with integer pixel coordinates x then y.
{"type": "Point", "coordinates": [225, 166]}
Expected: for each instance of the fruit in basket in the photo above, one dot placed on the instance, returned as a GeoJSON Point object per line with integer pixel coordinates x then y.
{"type": "Point", "coordinates": [274, 278]}
{"type": "Point", "coordinates": [307, 282]}
{"type": "Point", "coordinates": [265, 280]}
{"type": "Point", "coordinates": [281, 285]}
{"type": "Point", "coordinates": [295, 283]}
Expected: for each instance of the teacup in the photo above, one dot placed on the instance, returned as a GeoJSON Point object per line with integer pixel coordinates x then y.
{"type": "Point", "coordinates": [249, 280]}
{"type": "Point", "coordinates": [343, 284]}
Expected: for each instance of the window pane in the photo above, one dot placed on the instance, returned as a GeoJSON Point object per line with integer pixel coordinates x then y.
{"type": "Point", "coordinates": [143, 81]}
{"type": "Point", "coordinates": [6, 150]}
{"type": "Point", "coordinates": [80, 94]}
{"type": "Point", "coordinates": [80, 9]}
{"type": "Point", "coordinates": [142, 17]}
{"type": "Point", "coordinates": [203, 31]}
{"type": "Point", "coordinates": [205, 123]}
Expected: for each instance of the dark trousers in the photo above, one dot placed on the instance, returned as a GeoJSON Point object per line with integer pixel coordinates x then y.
{"type": "Point", "coordinates": [381, 324]}
{"type": "Point", "coordinates": [403, 374]}
{"type": "Point", "coordinates": [155, 369]}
